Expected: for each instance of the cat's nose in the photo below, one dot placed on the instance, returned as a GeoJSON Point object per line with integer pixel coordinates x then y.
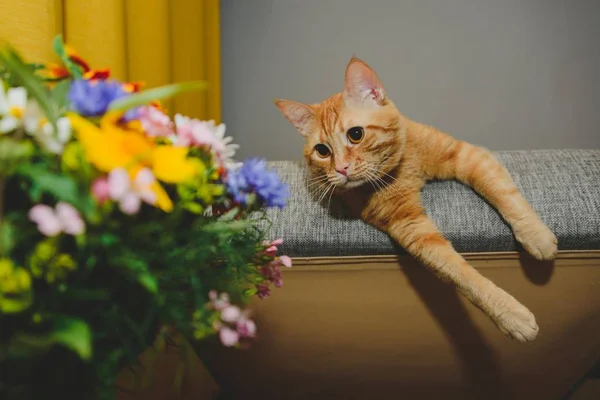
{"type": "Point", "coordinates": [343, 170]}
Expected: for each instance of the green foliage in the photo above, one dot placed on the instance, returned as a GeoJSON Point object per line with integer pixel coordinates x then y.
{"type": "Point", "coordinates": [13, 153]}
{"type": "Point", "coordinates": [59, 48]}
{"type": "Point", "coordinates": [159, 93]}
{"type": "Point", "coordinates": [62, 187]}
{"type": "Point", "coordinates": [72, 333]}
{"type": "Point", "coordinates": [7, 237]}
{"type": "Point", "coordinates": [24, 75]}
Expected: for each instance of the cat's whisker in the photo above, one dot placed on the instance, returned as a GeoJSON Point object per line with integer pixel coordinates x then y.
{"type": "Point", "coordinates": [316, 191]}
{"type": "Point", "coordinates": [330, 196]}
{"type": "Point", "coordinates": [331, 185]}
{"type": "Point", "coordinates": [383, 183]}
{"type": "Point", "coordinates": [395, 180]}
{"type": "Point", "coordinates": [317, 178]}
{"type": "Point", "coordinates": [371, 178]}
{"type": "Point", "coordinates": [313, 183]}
{"type": "Point", "coordinates": [318, 183]}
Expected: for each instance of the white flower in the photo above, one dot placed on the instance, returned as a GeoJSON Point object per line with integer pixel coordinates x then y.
{"type": "Point", "coordinates": [12, 108]}
{"type": "Point", "coordinates": [41, 129]}
{"type": "Point", "coordinates": [193, 132]}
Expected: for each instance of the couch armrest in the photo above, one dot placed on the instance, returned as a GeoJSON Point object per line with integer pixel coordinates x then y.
{"type": "Point", "coordinates": [563, 186]}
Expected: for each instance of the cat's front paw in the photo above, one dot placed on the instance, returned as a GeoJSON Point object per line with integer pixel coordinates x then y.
{"type": "Point", "coordinates": [538, 240]}
{"type": "Point", "coordinates": [517, 322]}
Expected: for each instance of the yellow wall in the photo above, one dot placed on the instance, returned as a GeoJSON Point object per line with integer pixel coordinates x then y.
{"type": "Point", "coordinates": [155, 41]}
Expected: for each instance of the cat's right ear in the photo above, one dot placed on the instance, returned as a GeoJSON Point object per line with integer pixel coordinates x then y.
{"type": "Point", "coordinates": [300, 115]}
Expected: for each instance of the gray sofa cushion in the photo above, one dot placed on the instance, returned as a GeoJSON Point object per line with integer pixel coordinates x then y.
{"type": "Point", "coordinates": [562, 185]}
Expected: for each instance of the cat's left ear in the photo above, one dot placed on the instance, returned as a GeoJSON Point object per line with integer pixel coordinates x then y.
{"type": "Point", "coordinates": [362, 86]}
{"type": "Point", "coordinates": [298, 114]}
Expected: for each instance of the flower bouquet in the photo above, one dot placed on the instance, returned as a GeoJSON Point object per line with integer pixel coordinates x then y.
{"type": "Point", "coordinates": [116, 221]}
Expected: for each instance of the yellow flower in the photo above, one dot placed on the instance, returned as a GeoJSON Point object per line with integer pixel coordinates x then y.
{"type": "Point", "coordinates": [15, 287]}
{"type": "Point", "coordinates": [42, 254]}
{"type": "Point", "coordinates": [46, 261]}
{"type": "Point", "coordinates": [59, 267]}
{"type": "Point", "coordinates": [171, 164]}
{"type": "Point", "coordinates": [110, 146]}
{"type": "Point", "coordinates": [162, 198]}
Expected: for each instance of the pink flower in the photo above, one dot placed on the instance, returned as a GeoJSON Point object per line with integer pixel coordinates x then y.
{"type": "Point", "coordinates": [231, 314]}
{"type": "Point", "coordinates": [271, 251]}
{"type": "Point", "coordinates": [64, 218]}
{"type": "Point", "coordinates": [276, 276]}
{"type": "Point", "coordinates": [263, 290]}
{"type": "Point", "coordinates": [229, 337]}
{"type": "Point", "coordinates": [218, 302]}
{"type": "Point", "coordinates": [129, 193]}
{"type": "Point", "coordinates": [271, 247]}
{"type": "Point", "coordinates": [246, 327]}
{"type": "Point", "coordinates": [234, 324]}
{"type": "Point", "coordinates": [193, 132]}
{"type": "Point", "coordinates": [155, 123]}
{"type": "Point", "coordinates": [277, 242]}
{"type": "Point", "coordinates": [286, 261]}
{"type": "Point", "coordinates": [100, 190]}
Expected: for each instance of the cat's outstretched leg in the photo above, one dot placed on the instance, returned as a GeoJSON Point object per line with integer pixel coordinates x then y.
{"type": "Point", "coordinates": [414, 231]}
{"type": "Point", "coordinates": [478, 168]}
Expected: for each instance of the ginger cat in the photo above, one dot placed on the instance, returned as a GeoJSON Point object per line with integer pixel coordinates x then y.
{"type": "Point", "coordinates": [360, 147]}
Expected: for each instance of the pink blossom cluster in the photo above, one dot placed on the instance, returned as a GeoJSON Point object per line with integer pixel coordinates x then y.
{"type": "Point", "coordinates": [272, 269]}
{"type": "Point", "coordinates": [235, 324]}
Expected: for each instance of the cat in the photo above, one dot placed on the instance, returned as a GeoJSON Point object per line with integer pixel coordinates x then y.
{"type": "Point", "coordinates": [360, 147]}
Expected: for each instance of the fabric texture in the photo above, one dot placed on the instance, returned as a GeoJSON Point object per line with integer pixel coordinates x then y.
{"type": "Point", "coordinates": [563, 186]}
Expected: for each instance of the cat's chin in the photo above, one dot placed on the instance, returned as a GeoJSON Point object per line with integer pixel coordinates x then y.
{"type": "Point", "coordinates": [353, 184]}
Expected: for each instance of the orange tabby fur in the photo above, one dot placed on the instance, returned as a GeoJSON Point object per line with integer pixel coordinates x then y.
{"type": "Point", "coordinates": [381, 178]}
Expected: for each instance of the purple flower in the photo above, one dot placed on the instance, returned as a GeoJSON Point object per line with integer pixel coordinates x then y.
{"type": "Point", "coordinates": [91, 98]}
{"type": "Point", "coordinates": [254, 177]}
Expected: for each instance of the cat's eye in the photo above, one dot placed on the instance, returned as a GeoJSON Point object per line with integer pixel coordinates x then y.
{"type": "Point", "coordinates": [322, 150]}
{"type": "Point", "coordinates": [355, 134]}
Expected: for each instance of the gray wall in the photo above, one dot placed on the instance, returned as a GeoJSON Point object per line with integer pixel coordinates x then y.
{"type": "Point", "coordinates": [506, 74]}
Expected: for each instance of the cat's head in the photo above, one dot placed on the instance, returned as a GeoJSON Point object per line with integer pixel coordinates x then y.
{"type": "Point", "coordinates": [352, 137]}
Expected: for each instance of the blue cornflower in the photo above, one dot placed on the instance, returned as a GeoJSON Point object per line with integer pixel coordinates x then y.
{"type": "Point", "coordinates": [91, 98]}
{"type": "Point", "coordinates": [254, 177]}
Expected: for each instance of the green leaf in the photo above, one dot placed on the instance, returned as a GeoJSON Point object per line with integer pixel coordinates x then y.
{"type": "Point", "coordinates": [140, 271]}
{"type": "Point", "coordinates": [74, 334]}
{"type": "Point", "coordinates": [59, 48]}
{"type": "Point", "coordinates": [60, 94]}
{"type": "Point", "coordinates": [159, 93]}
{"type": "Point", "coordinates": [7, 238]}
{"type": "Point", "coordinates": [230, 215]}
{"type": "Point", "coordinates": [60, 186]}
{"type": "Point", "coordinates": [149, 282]}
{"type": "Point", "coordinates": [231, 227]}
{"type": "Point", "coordinates": [12, 153]}
{"type": "Point", "coordinates": [24, 75]}
{"type": "Point", "coordinates": [15, 302]}
{"type": "Point", "coordinates": [108, 239]}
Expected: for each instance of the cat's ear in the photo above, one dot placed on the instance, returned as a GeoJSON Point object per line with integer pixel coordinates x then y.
{"type": "Point", "coordinates": [300, 115]}
{"type": "Point", "coordinates": [362, 87]}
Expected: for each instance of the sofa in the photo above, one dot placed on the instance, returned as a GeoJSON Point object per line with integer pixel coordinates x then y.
{"type": "Point", "coordinates": [357, 318]}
